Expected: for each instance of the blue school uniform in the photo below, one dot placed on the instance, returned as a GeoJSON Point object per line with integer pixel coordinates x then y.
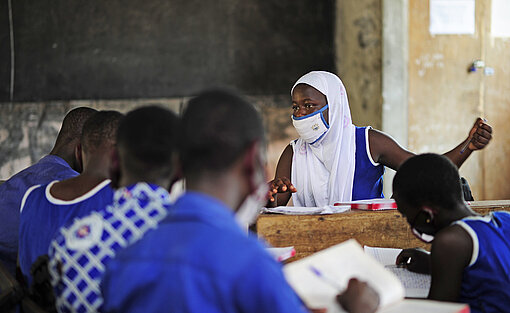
{"type": "Point", "coordinates": [368, 175]}
{"type": "Point", "coordinates": [42, 215]}
{"type": "Point", "coordinates": [80, 252]}
{"type": "Point", "coordinates": [486, 281]}
{"type": "Point", "coordinates": [197, 260]}
{"type": "Point", "coordinates": [50, 167]}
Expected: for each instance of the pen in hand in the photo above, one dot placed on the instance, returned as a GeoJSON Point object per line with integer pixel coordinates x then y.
{"type": "Point", "coordinates": [464, 147]}
{"type": "Point", "coordinates": [326, 279]}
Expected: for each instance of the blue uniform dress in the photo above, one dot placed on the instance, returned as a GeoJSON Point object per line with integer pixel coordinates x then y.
{"type": "Point", "coordinates": [486, 281]}
{"type": "Point", "coordinates": [368, 175]}
{"type": "Point", "coordinates": [42, 215]}
{"type": "Point", "coordinates": [198, 260]}
{"type": "Point", "coordinates": [79, 253]}
{"type": "Point", "coordinates": [49, 168]}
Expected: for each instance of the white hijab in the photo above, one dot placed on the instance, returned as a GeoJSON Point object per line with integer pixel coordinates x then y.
{"type": "Point", "coordinates": [323, 173]}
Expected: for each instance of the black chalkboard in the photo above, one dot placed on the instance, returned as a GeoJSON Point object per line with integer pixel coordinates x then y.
{"type": "Point", "coordinates": [99, 49]}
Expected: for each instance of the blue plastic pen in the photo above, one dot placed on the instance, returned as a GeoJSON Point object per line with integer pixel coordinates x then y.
{"type": "Point", "coordinates": [325, 279]}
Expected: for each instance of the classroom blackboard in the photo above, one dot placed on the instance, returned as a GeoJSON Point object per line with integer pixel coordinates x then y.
{"type": "Point", "coordinates": [115, 49]}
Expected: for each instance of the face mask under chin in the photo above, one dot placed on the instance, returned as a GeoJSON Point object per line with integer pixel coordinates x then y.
{"type": "Point", "coordinates": [250, 209]}
{"type": "Point", "coordinates": [311, 127]}
{"type": "Point", "coordinates": [427, 238]}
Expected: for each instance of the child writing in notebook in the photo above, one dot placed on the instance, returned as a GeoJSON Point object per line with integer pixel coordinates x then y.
{"type": "Point", "coordinates": [470, 255]}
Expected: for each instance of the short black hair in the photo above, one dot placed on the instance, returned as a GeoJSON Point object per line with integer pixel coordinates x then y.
{"type": "Point", "coordinates": [428, 179]}
{"type": "Point", "coordinates": [218, 126]}
{"type": "Point", "coordinates": [149, 138]}
{"type": "Point", "coordinates": [101, 127]}
{"type": "Point", "coordinates": [73, 122]}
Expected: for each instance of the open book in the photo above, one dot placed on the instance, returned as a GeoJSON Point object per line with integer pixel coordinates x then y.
{"type": "Point", "coordinates": [317, 279]}
{"type": "Point", "coordinates": [415, 285]}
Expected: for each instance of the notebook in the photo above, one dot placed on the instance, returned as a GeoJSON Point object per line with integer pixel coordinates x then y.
{"type": "Point", "coordinates": [341, 262]}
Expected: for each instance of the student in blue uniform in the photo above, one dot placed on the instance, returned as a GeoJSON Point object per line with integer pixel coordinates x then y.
{"type": "Point", "coordinates": [470, 254]}
{"type": "Point", "coordinates": [200, 258]}
{"type": "Point", "coordinates": [333, 160]}
{"type": "Point", "coordinates": [46, 208]}
{"type": "Point", "coordinates": [60, 163]}
{"type": "Point", "coordinates": [144, 168]}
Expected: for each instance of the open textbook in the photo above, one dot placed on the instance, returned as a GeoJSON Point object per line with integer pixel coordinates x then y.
{"type": "Point", "coordinates": [317, 279]}
{"type": "Point", "coordinates": [415, 285]}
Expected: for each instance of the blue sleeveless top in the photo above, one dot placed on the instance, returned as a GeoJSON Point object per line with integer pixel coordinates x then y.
{"type": "Point", "coordinates": [42, 216]}
{"type": "Point", "coordinates": [486, 281]}
{"type": "Point", "coordinates": [368, 175]}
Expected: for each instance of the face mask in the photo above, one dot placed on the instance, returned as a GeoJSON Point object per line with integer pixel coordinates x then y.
{"type": "Point", "coordinates": [249, 210]}
{"type": "Point", "coordinates": [427, 238]}
{"type": "Point", "coordinates": [422, 236]}
{"type": "Point", "coordinates": [311, 127]}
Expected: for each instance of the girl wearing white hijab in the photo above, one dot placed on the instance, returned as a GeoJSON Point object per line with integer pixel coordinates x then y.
{"type": "Point", "coordinates": [335, 161]}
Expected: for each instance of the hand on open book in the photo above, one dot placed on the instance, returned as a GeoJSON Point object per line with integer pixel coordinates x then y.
{"type": "Point", "coordinates": [416, 260]}
{"type": "Point", "coordinates": [359, 297]}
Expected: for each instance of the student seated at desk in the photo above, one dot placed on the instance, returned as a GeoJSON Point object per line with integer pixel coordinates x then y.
{"type": "Point", "coordinates": [200, 258]}
{"type": "Point", "coordinates": [48, 207]}
{"type": "Point", "coordinates": [333, 160]}
{"type": "Point", "coordinates": [143, 166]}
{"type": "Point", "coordinates": [470, 255]}
{"type": "Point", "coordinates": [59, 164]}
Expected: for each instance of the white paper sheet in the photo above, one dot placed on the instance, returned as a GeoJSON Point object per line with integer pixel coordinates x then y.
{"type": "Point", "coordinates": [415, 285]}
{"type": "Point", "coordinates": [500, 19]}
{"type": "Point", "coordinates": [452, 17]}
{"type": "Point", "coordinates": [425, 306]}
{"type": "Point", "coordinates": [282, 253]}
{"type": "Point", "coordinates": [298, 210]}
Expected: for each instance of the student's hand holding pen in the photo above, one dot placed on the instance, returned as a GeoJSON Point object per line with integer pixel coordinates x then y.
{"type": "Point", "coordinates": [479, 136]}
{"type": "Point", "coordinates": [416, 260]}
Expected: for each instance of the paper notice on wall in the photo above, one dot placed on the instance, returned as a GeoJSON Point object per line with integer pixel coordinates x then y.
{"type": "Point", "coordinates": [500, 20]}
{"type": "Point", "coordinates": [452, 17]}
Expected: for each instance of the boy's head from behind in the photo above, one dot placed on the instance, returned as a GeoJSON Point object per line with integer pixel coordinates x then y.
{"type": "Point", "coordinates": [425, 186]}
{"type": "Point", "coordinates": [99, 136]}
{"type": "Point", "coordinates": [218, 126]}
{"type": "Point", "coordinates": [147, 146]}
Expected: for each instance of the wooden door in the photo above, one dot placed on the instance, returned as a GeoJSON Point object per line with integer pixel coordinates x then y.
{"type": "Point", "coordinates": [445, 99]}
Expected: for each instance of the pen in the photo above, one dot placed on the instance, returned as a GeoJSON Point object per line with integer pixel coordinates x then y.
{"type": "Point", "coordinates": [400, 265]}
{"type": "Point", "coordinates": [464, 147]}
{"type": "Point", "coordinates": [325, 279]}
{"type": "Point", "coordinates": [395, 266]}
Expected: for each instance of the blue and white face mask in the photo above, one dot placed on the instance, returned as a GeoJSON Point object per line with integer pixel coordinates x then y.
{"type": "Point", "coordinates": [311, 127]}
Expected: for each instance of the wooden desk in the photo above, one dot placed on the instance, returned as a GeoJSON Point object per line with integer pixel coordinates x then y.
{"type": "Point", "coordinates": [311, 233]}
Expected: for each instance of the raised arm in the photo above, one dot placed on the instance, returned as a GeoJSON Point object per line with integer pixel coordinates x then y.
{"type": "Point", "coordinates": [280, 187]}
{"type": "Point", "coordinates": [387, 151]}
{"type": "Point", "coordinates": [479, 136]}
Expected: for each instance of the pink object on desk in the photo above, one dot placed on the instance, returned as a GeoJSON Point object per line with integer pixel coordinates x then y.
{"type": "Point", "coordinates": [370, 204]}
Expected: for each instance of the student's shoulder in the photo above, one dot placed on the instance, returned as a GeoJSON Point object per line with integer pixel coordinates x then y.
{"type": "Point", "coordinates": [452, 235]}
{"type": "Point", "coordinates": [33, 194]}
{"type": "Point", "coordinates": [453, 241]}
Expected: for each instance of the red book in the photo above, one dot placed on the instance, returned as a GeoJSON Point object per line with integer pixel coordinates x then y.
{"type": "Point", "coordinates": [370, 204]}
